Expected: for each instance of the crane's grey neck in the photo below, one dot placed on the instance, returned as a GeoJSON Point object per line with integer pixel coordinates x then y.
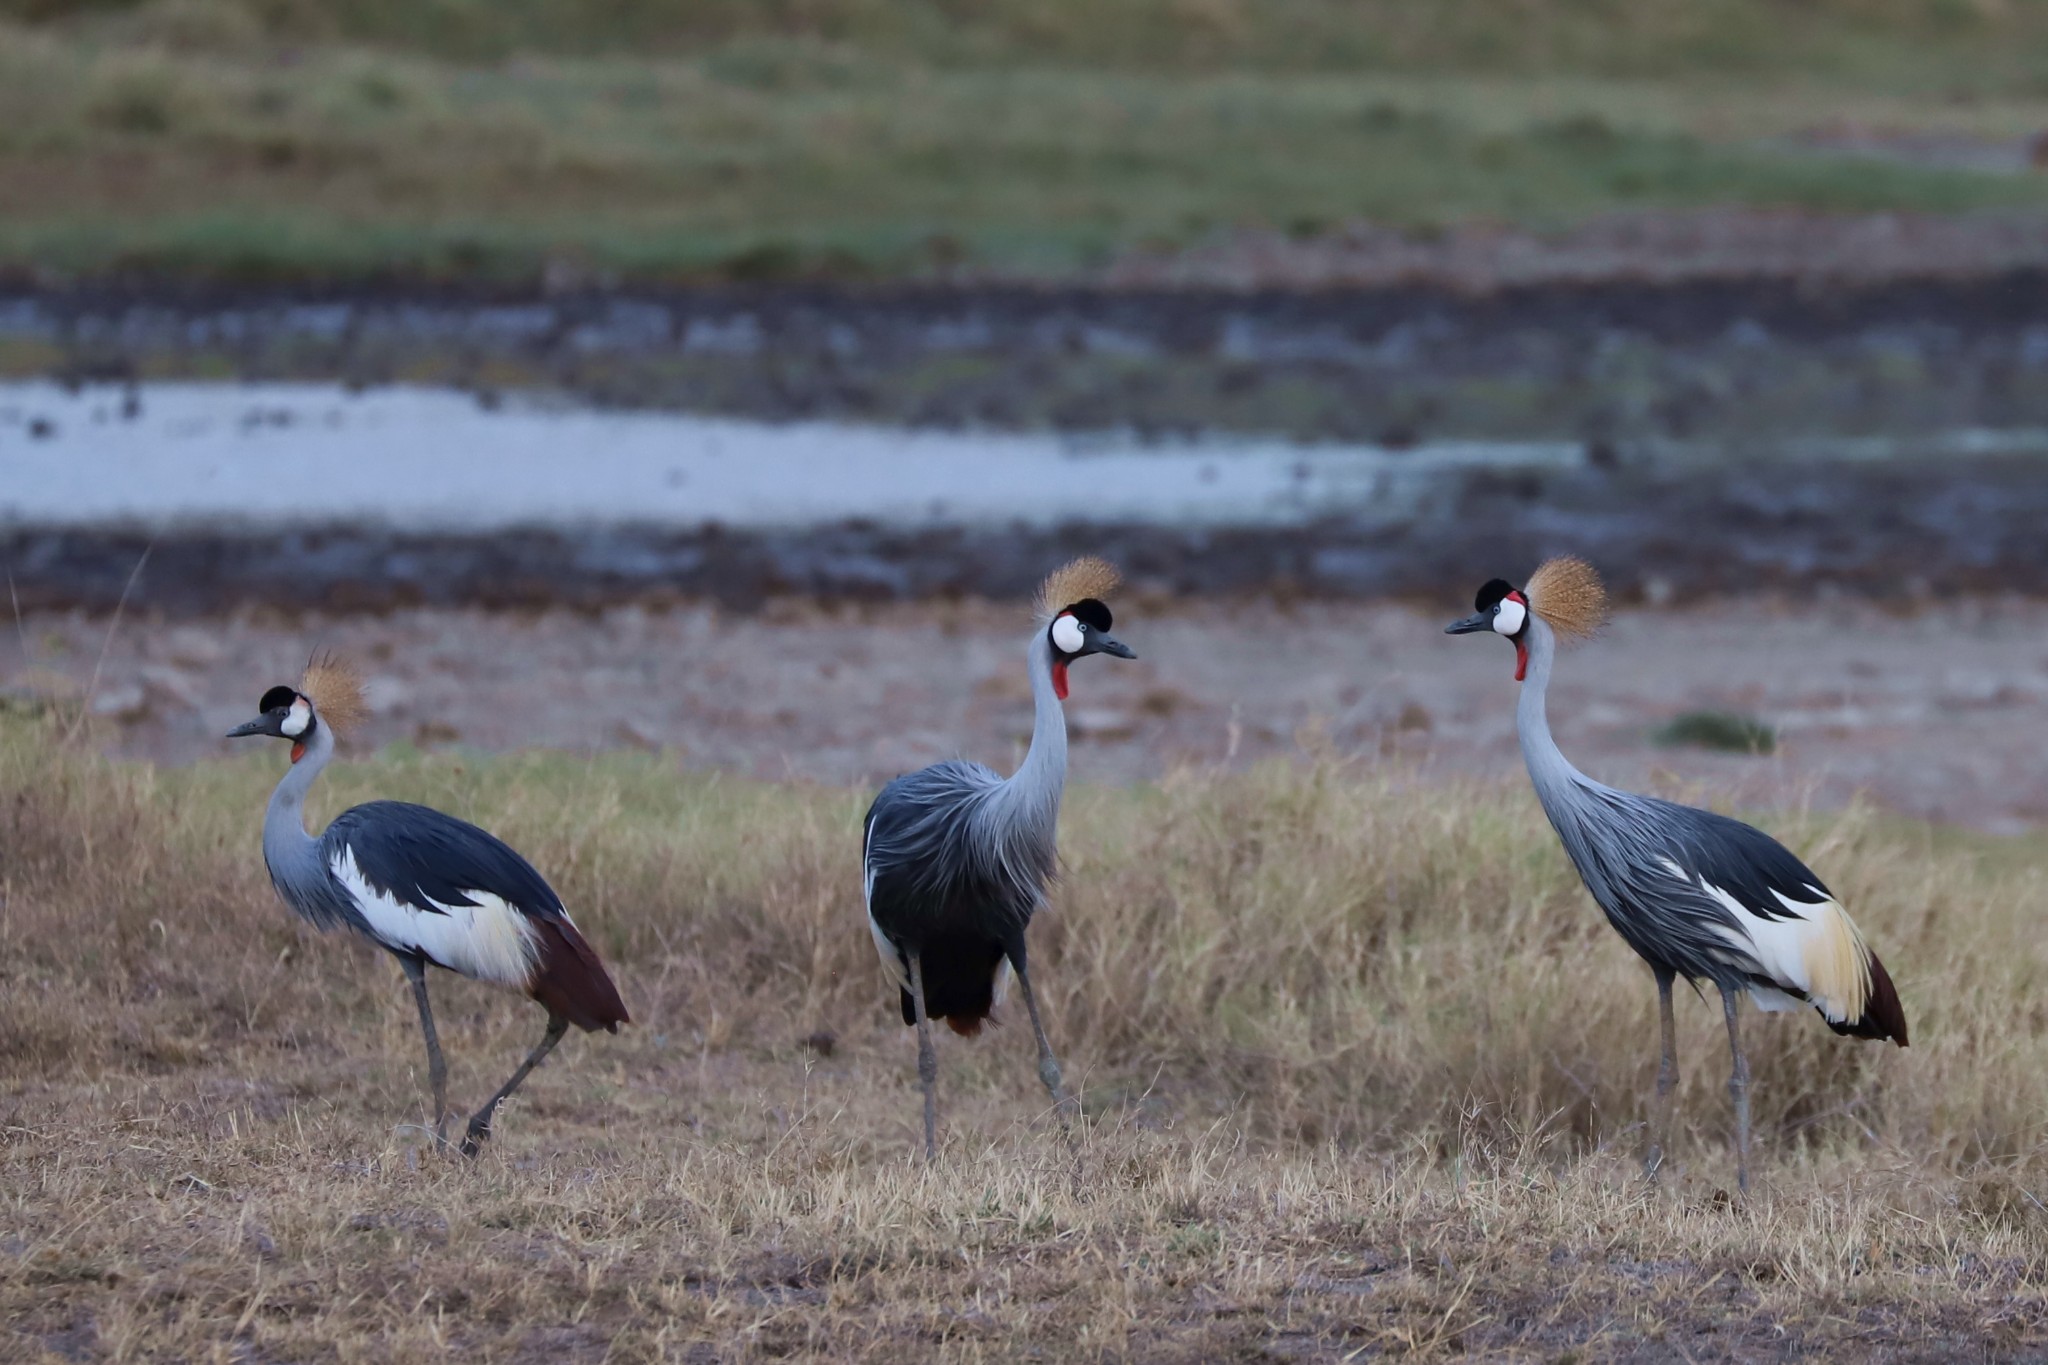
{"type": "Point", "coordinates": [1030, 799]}
{"type": "Point", "coordinates": [292, 855]}
{"type": "Point", "coordinates": [1552, 774]}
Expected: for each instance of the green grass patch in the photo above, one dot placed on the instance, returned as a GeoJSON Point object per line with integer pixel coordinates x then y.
{"type": "Point", "coordinates": [1980, 46]}
{"type": "Point", "coordinates": [252, 139]}
{"type": "Point", "coordinates": [1729, 731]}
{"type": "Point", "coordinates": [760, 161]}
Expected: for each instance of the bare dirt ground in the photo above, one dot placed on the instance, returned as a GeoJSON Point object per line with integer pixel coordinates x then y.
{"type": "Point", "coordinates": [1932, 712]}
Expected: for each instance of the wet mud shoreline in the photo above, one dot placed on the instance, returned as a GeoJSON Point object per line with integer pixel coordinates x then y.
{"type": "Point", "coordinates": [1887, 533]}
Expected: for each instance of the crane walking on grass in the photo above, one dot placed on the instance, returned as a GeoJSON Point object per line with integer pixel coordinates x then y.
{"type": "Point", "coordinates": [957, 859]}
{"type": "Point", "coordinates": [430, 889]}
{"type": "Point", "coordinates": [1696, 894]}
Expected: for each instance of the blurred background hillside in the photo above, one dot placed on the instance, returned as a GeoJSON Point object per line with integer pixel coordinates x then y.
{"type": "Point", "coordinates": [628, 139]}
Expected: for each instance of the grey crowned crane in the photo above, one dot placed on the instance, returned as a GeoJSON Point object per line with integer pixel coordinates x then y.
{"type": "Point", "coordinates": [1696, 894]}
{"type": "Point", "coordinates": [957, 858]}
{"type": "Point", "coordinates": [428, 888]}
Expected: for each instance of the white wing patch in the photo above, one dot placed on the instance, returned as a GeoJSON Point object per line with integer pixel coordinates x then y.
{"type": "Point", "coordinates": [892, 961]}
{"type": "Point", "coordinates": [491, 940]}
{"type": "Point", "coordinates": [1813, 951]}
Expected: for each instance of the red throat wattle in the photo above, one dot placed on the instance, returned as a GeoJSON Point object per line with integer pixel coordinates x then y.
{"type": "Point", "coordinates": [1521, 661]}
{"type": "Point", "coordinates": [298, 750]}
{"type": "Point", "coordinates": [1059, 681]}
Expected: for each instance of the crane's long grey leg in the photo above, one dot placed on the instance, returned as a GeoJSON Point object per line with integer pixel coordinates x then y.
{"type": "Point", "coordinates": [437, 1069]}
{"type": "Point", "coordinates": [1667, 1077]}
{"type": "Point", "coordinates": [480, 1122]}
{"type": "Point", "coordinates": [1738, 1090]}
{"type": "Point", "coordinates": [1048, 1065]}
{"type": "Point", "coordinates": [927, 1059]}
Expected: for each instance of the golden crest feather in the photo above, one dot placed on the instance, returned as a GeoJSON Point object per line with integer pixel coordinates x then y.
{"type": "Point", "coordinates": [1076, 581]}
{"type": "Point", "coordinates": [334, 687]}
{"type": "Point", "coordinates": [1567, 593]}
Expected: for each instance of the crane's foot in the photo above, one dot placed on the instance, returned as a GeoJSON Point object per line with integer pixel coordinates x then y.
{"type": "Point", "coordinates": [476, 1135]}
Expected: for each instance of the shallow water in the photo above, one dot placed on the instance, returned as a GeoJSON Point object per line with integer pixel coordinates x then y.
{"type": "Point", "coordinates": [190, 456]}
{"type": "Point", "coordinates": [299, 494]}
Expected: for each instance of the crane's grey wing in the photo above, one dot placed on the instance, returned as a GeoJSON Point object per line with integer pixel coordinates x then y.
{"type": "Point", "coordinates": [1634, 854]}
{"type": "Point", "coordinates": [428, 883]}
{"type": "Point", "coordinates": [1715, 898]}
{"type": "Point", "coordinates": [1791, 925]}
{"type": "Point", "coordinates": [930, 859]}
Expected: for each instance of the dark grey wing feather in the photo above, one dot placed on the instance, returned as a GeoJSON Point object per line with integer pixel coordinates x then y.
{"type": "Point", "coordinates": [1741, 859]}
{"type": "Point", "coordinates": [420, 856]}
{"type": "Point", "coordinates": [933, 862]}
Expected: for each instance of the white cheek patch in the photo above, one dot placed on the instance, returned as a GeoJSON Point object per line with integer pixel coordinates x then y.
{"type": "Point", "coordinates": [1068, 635]}
{"type": "Point", "coordinates": [1509, 618]}
{"type": "Point", "coordinates": [295, 722]}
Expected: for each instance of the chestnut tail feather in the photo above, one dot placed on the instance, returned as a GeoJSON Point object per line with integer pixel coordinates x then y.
{"type": "Point", "coordinates": [965, 1018]}
{"type": "Point", "coordinates": [1883, 1015]}
{"type": "Point", "coordinates": [569, 980]}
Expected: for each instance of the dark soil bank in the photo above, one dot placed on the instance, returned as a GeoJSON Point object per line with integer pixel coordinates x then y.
{"type": "Point", "coordinates": [1886, 530]}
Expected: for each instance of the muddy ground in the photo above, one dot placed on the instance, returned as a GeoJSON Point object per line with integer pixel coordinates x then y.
{"type": "Point", "coordinates": [1932, 711]}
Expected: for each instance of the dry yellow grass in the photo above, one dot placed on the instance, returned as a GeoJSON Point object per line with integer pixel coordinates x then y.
{"type": "Point", "coordinates": [1363, 1071]}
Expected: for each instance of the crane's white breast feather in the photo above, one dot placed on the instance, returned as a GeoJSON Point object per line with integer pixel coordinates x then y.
{"type": "Point", "coordinates": [491, 940]}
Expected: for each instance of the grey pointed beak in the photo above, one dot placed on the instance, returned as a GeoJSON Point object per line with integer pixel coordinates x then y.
{"type": "Point", "coordinates": [1478, 621]}
{"type": "Point", "coordinates": [259, 726]}
{"type": "Point", "coordinates": [1105, 645]}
